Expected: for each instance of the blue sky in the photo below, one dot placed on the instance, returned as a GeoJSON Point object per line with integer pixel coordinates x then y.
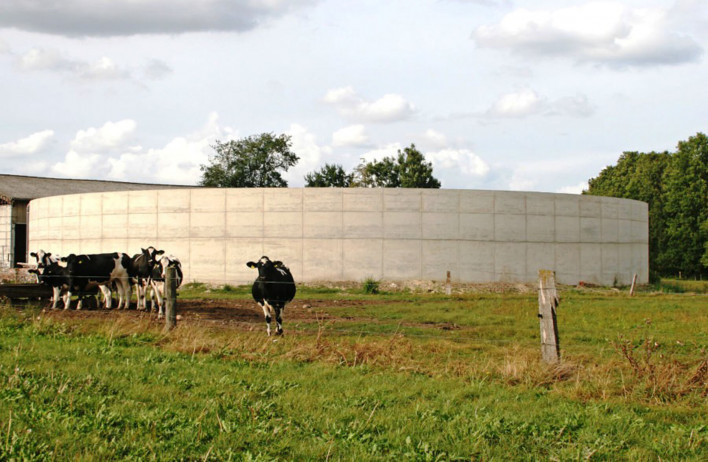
{"type": "Point", "coordinates": [512, 95]}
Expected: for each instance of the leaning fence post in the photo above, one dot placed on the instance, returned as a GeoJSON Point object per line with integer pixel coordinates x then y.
{"type": "Point", "coordinates": [547, 304]}
{"type": "Point", "coordinates": [634, 283]}
{"type": "Point", "coordinates": [170, 300]}
{"type": "Point", "coordinates": [448, 285]}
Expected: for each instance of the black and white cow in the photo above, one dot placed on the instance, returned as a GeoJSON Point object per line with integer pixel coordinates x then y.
{"type": "Point", "coordinates": [53, 272]}
{"type": "Point", "coordinates": [103, 269]}
{"type": "Point", "coordinates": [273, 289]}
{"type": "Point", "coordinates": [140, 270]}
{"type": "Point", "coordinates": [158, 281]}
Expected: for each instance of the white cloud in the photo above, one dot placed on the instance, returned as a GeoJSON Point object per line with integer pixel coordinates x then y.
{"type": "Point", "coordinates": [387, 150]}
{"type": "Point", "coordinates": [77, 165]}
{"type": "Point", "coordinates": [434, 139]}
{"type": "Point", "coordinates": [28, 145]}
{"type": "Point", "coordinates": [528, 102]}
{"type": "Point", "coordinates": [38, 59]}
{"type": "Point", "coordinates": [353, 135]}
{"type": "Point", "coordinates": [389, 108]}
{"type": "Point", "coordinates": [598, 32]}
{"type": "Point", "coordinates": [462, 160]}
{"type": "Point", "coordinates": [156, 69]}
{"type": "Point", "coordinates": [109, 137]}
{"type": "Point", "coordinates": [129, 17]}
{"type": "Point", "coordinates": [574, 189]}
{"type": "Point", "coordinates": [304, 144]}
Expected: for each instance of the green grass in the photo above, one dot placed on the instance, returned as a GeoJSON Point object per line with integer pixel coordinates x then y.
{"type": "Point", "coordinates": [387, 384]}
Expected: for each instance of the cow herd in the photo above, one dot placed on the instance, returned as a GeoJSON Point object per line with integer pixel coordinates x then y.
{"type": "Point", "coordinates": [110, 272]}
{"type": "Point", "coordinates": [118, 272]}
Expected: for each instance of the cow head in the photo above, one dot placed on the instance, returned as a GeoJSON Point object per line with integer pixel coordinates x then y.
{"type": "Point", "coordinates": [265, 267]}
{"type": "Point", "coordinates": [43, 258]}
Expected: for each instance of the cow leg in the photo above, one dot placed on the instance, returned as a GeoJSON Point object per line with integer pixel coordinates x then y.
{"type": "Point", "coordinates": [107, 297]}
{"type": "Point", "coordinates": [267, 310]}
{"type": "Point", "coordinates": [67, 299]}
{"type": "Point", "coordinates": [123, 293]}
{"type": "Point", "coordinates": [279, 321]}
{"type": "Point", "coordinates": [56, 293]}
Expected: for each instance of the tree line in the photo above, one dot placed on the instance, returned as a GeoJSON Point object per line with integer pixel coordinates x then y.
{"type": "Point", "coordinates": [675, 185]}
{"type": "Point", "coordinates": [258, 161]}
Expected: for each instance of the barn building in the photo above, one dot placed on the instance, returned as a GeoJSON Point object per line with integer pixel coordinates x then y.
{"type": "Point", "coordinates": [350, 234]}
{"type": "Point", "coordinates": [16, 191]}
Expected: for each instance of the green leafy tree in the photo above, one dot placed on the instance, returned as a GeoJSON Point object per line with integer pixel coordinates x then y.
{"type": "Point", "coordinates": [686, 183]}
{"type": "Point", "coordinates": [329, 176]}
{"type": "Point", "coordinates": [252, 162]}
{"type": "Point", "coordinates": [406, 170]}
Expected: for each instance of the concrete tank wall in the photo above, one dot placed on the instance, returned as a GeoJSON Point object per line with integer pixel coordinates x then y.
{"type": "Point", "coordinates": [351, 234]}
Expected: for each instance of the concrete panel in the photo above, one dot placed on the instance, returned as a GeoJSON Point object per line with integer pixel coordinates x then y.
{"type": "Point", "coordinates": [361, 259]}
{"type": "Point", "coordinates": [238, 253]}
{"type": "Point", "coordinates": [567, 205]}
{"type": "Point", "coordinates": [610, 230]}
{"type": "Point", "coordinates": [289, 251]}
{"type": "Point", "coordinates": [476, 202]}
{"type": "Point", "coordinates": [640, 231]}
{"type": "Point", "coordinates": [207, 260]}
{"type": "Point", "coordinates": [173, 200]}
{"type": "Point", "coordinates": [610, 208]}
{"type": "Point", "coordinates": [568, 263]}
{"type": "Point", "coordinates": [112, 245]}
{"type": "Point", "coordinates": [624, 231]}
{"type": "Point", "coordinates": [322, 199]}
{"type": "Point", "coordinates": [510, 203]}
{"type": "Point", "coordinates": [509, 228]}
{"type": "Point", "coordinates": [591, 263]}
{"type": "Point", "coordinates": [402, 225]}
{"type": "Point", "coordinates": [625, 210]}
{"type": "Point", "coordinates": [590, 229]}
{"type": "Point", "coordinates": [539, 256]}
{"type": "Point", "coordinates": [610, 266]}
{"type": "Point", "coordinates": [115, 203]}
{"type": "Point", "coordinates": [567, 229]}
{"type": "Point", "coordinates": [322, 225]}
{"type": "Point", "coordinates": [115, 226]}
{"type": "Point", "coordinates": [540, 228]}
{"type": "Point", "coordinates": [322, 259]}
{"type": "Point", "coordinates": [363, 200]}
{"type": "Point", "coordinates": [244, 224]}
{"type": "Point", "coordinates": [39, 209]}
{"type": "Point", "coordinates": [441, 201]}
{"type": "Point", "coordinates": [362, 225]}
{"type": "Point", "coordinates": [640, 211]}
{"type": "Point", "coordinates": [282, 200]}
{"type": "Point", "coordinates": [90, 246]}
{"type": "Point", "coordinates": [439, 257]}
{"type": "Point", "coordinates": [176, 247]}
{"type": "Point", "coordinates": [402, 259]}
{"type": "Point", "coordinates": [441, 226]}
{"type": "Point", "coordinates": [142, 226]}
{"type": "Point", "coordinates": [207, 224]}
{"type": "Point", "coordinates": [91, 204]}
{"type": "Point", "coordinates": [173, 225]}
{"type": "Point", "coordinates": [591, 206]}
{"type": "Point", "coordinates": [71, 205]}
{"type": "Point", "coordinates": [244, 200]}
{"type": "Point", "coordinates": [54, 206]}
{"type": "Point", "coordinates": [70, 227]}
{"type": "Point", "coordinates": [208, 200]}
{"type": "Point", "coordinates": [626, 260]}
{"type": "Point", "coordinates": [476, 261]}
{"type": "Point", "coordinates": [510, 261]}
{"type": "Point", "coordinates": [90, 227]}
{"type": "Point", "coordinates": [402, 200]}
{"type": "Point", "coordinates": [142, 202]}
{"type": "Point", "coordinates": [477, 226]}
{"type": "Point", "coordinates": [55, 225]}
{"type": "Point", "coordinates": [540, 204]}
{"type": "Point", "coordinates": [283, 224]}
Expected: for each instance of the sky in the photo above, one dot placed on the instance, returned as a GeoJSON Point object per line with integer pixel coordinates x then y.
{"type": "Point", "coordinates": [497, 94]}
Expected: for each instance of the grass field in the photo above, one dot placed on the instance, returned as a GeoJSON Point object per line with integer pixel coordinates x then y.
{"type": "Point", "coordinates": [411, 376]}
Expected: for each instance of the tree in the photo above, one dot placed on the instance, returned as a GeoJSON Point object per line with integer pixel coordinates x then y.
{"type": "Point", "coordinates": [407, 170]}
{"type": "Point", "coordinates": [329, 176]}
{"type": "Point", "coordinates": [252, 162]}
{"type": "Point", "coordinates": [686, 183]}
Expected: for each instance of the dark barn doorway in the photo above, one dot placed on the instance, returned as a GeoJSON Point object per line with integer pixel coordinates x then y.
{"type": "Point", "coordinates": [20, 254]}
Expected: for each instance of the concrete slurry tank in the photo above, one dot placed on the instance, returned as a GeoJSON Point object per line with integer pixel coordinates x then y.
{"type": "Point", "coordinates": [350, 234]}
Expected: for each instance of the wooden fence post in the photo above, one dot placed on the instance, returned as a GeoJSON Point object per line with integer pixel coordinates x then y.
{"type": "Point", "coordinates": [634, 283]}
{"type": "Point", "coordinates": [448, 286]}
{"type": "Point", "coordinates": [547, 303]}
{"type": "Point", "coordinates": [170, 300]}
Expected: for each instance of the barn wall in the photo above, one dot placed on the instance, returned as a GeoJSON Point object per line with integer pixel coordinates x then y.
{"type": "Point", "coordinates": [352, 234]}
{"type": "Point", "coordinates": [6, 243]}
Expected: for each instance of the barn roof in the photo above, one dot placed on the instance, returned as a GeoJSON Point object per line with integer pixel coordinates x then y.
{"type": "Point", "coordinates": [25, 188]}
